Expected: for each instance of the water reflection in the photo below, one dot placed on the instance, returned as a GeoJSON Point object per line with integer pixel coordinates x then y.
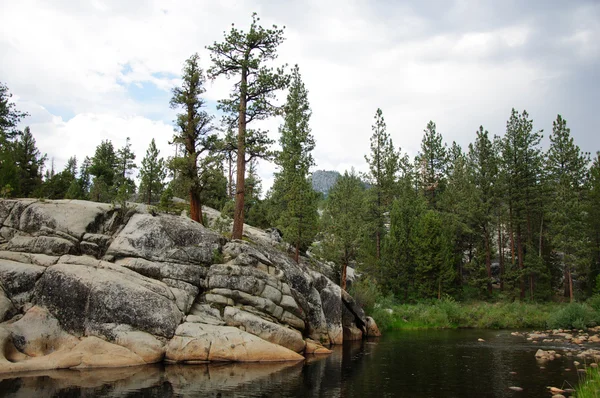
{"type": "Point", "coordinates": [421, 363]}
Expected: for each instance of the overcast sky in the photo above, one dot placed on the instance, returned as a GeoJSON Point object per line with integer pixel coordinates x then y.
{"type": "Point", "coordinates": [103, 69]}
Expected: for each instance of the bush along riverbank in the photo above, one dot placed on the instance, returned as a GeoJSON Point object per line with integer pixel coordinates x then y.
{"type": "Point", "coordinates": [448, 313]}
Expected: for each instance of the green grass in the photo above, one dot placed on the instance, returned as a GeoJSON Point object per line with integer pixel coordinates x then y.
{"type": "Point", "coordinates": [445, 314]}
{"type": "Point", "coordinates": [589, 386]}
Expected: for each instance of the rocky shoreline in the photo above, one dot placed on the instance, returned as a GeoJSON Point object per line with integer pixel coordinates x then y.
{"type": "Point", "coordinates": [85, 284]}
{"type": "Point", "coordinates": [578, 343]}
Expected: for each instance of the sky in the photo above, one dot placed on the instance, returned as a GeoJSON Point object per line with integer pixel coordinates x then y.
{"type": "Point", "coordinates": [87, 71]}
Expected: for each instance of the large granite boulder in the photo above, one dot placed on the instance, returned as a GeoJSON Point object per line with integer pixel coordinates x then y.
{"type": "Point", "coordinates": [195, 342]}
{"type": "Point", "coordinates": [90, 285]}
{"type": "Point", "coordinates": [166, 238]}
{"type": "Point", "coordinates": [80, 296]}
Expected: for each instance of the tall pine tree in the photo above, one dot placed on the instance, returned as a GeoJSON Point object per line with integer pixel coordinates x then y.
{"type": "Point", "coordinates": [195, 133]}
{"type": "Point", "coordinates": [522, 161]}
{"type": "Point", "coordinates": [344, 223]}
{"type": "Point", "coordinates": [567, 168]}
{"type": "Point", "coordinates": [483, 164]}
{"type": "Point", "coordinates": [103, 167]}
{"type": "Point", "coordinates": [383, 167]}
{"type": "Point", "coordinates": [292, 187]}
{"type": "Point", "coordinates": [243, 55]}
{"type": "Point", "coordinates": [432, 162]}
{"type": "Point", "coordinates": [29, 162]}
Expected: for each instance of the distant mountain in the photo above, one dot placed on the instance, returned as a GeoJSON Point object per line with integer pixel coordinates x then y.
{"type": "Point", "coordinates": [324, 180]}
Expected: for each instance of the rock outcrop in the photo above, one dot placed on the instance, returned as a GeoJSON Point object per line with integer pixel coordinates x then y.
{"type": "Point", "coordinates": [85, 284]}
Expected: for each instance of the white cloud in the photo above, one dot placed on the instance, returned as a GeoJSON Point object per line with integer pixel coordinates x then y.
{"type": "Point", "coordinates": [416, 61]}
{"type": "Point", "coordinates": [80, 135]}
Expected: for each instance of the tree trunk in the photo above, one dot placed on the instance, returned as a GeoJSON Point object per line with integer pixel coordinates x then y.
{"type": "Point", "coordinates": [570, 286]}
{"type": "Point", "coordinates": [541, 236]}
{"type": "Point", "coordinates": [238, 216]}
{"type": "Point", "coordinates": [566, 292]}
{"type": "Point", "coordinates": [378, 239]}
{"type": "Point", "coordinates": [512, 236]}
{"type": "Point", "coordinates": [343, 277]}
{"type": "Point", "coordinates": [521, 263]}
{"type": "Point", "coordinates": [501, 254]}
{"type": "Point", "coordinates": [195, 207]}
{"type": "Point", "coordinates": [531, 287]}
{"type": "Point", "coordinates": [488, 261]}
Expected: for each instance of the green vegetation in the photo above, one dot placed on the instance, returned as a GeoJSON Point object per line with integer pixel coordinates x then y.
{"type": "Point", "coordinates": [194, 134]}
{"type": "Point", "coordinates": [506, 216]}
{"type": "Point", "coordinates": [448, 313]}
{"type": "Point", "coordinates": [589, 386]}
{"type": "Point", "coordinates": [152, 175]}
{"type": "Point", "coordinates": [292, 194]}
{"type": "Point", "coordinates": [244, 56]}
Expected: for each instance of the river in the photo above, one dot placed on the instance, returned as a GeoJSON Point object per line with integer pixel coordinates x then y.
{"type": "Point", "coordinates": [427, 363]}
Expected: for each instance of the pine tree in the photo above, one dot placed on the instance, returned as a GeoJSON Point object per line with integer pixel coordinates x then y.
{"type": "Point", "coordinates": [433, 251]}
{"type": "Point", "coordinates": [457, 202]}
{"type": "Point", "coordinates": [103, 167]}
{"type": "Point", "coordinates": [29, 162]}
{"type": "Point", "coordinates": [195, 134]}
{"type": "Point", "coordinates": [152, 175]}
{"type": "Point", "coordinates": [593, 218]}
{"type": "Point", "coordinates": [432, 161]}
{"type": "Point", "coordinates": [10, 117]}
{"type": "Point", "coordinates": [343, 210]}
{"type": "Point", "coordinates": [567, 169]}
{"type": "Point", "coordinates": [243, 55]}
{"type": "Point", "coordinates": [9, 174]}
{"type": "Point", "coordinates": [483, 164]}
{"type": "Point", "coordinates": [383, 167]}
{"type": "Point", "coordinates": [229, 148]}
{"type": "Point", "coordinates": [214, 185]}
{"type": "Point", "coordinates": [522, 161]}
{"type": "Point", "coordinates": [398, 254]}
{"type": "Point", "coordinates": [125, 166]}
{"type": "Point", "coordinates": [57, 185]}
{"type": "Point", "coordinates": [292, 186]}
{"type": "Point", "coordinates": [255, 214]}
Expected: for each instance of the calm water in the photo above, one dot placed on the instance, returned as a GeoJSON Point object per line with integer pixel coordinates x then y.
{"type": "Point", "coordinates": [446, 363]}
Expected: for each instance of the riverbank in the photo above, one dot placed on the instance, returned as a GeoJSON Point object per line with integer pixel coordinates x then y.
{"type": "Point", "coordinates": [448, 314]}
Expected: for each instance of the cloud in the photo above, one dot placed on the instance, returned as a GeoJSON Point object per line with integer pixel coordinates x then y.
{"type": "Point", "coordinates": [80, 135]}
{"type": "Point", "coordinates": [88, 71]}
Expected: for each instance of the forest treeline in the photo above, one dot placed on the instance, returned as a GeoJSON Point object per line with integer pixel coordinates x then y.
{"type": "Point", "coordinates": [501, 217]}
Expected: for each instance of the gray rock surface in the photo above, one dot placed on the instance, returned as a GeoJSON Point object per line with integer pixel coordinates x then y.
{"type": "Point", "coordinates": [85, 284]}
{"type": "Point", "coordinates": [166, 238]}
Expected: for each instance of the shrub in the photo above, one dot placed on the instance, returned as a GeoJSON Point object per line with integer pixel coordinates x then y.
{"type": "Point", "coordinates": [594, 302]}
{"type": "Point", "coordinates": [366, 293]}
{"type": "Point", "coordinates": [573, 315]}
